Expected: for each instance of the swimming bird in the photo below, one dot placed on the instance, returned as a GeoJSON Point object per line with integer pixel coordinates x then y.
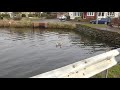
{"type": "Point", "coordinates": [59, 44]}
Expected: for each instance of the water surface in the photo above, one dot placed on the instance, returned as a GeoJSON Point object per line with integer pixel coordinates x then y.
{"type": "Point", "coordinates": [27, 52]}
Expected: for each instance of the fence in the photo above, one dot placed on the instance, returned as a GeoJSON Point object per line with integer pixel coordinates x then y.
{"type": "Point", "coordinates": [85, 68]}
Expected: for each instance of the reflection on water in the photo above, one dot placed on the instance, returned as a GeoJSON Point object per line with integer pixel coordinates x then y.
{"type": "Point", "coordinates": [28, 52]}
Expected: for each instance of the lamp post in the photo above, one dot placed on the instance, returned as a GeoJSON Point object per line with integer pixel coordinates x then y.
{"type": "Point", "coordinates": [96, 17]}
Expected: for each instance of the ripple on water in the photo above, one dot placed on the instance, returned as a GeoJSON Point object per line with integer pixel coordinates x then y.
{"type": "Point", "coordinates": [27, 52]}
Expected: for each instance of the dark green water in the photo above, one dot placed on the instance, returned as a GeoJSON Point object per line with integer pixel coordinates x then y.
{"type": "Point", "coordinates": [28, 52]}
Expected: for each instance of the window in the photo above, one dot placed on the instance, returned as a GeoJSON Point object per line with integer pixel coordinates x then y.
{"type": "Point", "coordinates": [111, 13]}
{"type": "Point", "coordinates": [78, 14]}
{"type": "Point", "coordinates": [90, 13]}
{"type": "Point", "coordinates": [102, 13]}
{"type": "Point", "coordinates": [99, 14]}
{"type": "Point", "coordinates": [75, 13]}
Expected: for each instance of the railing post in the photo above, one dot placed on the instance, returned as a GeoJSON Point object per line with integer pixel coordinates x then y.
{"type": "Point", "coordinates": [105, 74]}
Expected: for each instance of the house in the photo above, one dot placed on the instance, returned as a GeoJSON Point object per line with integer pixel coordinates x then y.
{"type": "Point", "coordinates": [93, 15]}
{"type": "Point", "coordinates": [73, 15]}
{"type": "Point", "coordinates": [89, 15]}
{"type": "Point", "coordinates": [99, 15]}
{"type": "Point", "coordinates": [107, 14]}
{"type": "Point", "coordinates": [10, 13]}
{"type": "Point", "coordinates": [83, 15]}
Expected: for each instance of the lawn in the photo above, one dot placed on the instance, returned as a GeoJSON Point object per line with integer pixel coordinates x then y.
{"type": "Point", "coordinates": [113, 72]}
{"type": "Point", "coordinates": [96, 25]}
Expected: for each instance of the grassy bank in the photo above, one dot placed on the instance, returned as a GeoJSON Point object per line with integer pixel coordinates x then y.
{"type": "Point", "coordinates": [25, 23]}
{"type": "Point", "coordinates": [61, 26]}
{"type": "Point", "coordinates": [15, 24]}
{"type": "Point", "coordinates": [96, 25]}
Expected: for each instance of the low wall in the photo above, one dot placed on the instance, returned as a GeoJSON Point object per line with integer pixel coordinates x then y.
{"type": "Point", "coordinates": [103, 35]}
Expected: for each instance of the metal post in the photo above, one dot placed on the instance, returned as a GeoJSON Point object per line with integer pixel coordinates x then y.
{"type": "Point", "coordinates": [96, 17]}
{"type": "Point", "coordinates": [105, 74]}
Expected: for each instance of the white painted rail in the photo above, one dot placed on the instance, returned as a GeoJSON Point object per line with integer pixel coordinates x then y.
{"type": "Point", "coordinates": [84, 68]}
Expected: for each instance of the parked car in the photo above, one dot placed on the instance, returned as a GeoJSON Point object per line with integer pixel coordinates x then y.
{"type": "Point", "coordinates": [62, 18]}
{"type": "Point", "coordinates": [101, 21]}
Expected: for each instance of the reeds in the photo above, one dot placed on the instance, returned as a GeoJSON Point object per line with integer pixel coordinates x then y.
{"type": "Point", "coordinates": [28, 23]}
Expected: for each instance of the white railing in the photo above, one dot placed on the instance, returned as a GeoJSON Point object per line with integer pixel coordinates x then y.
{"type": "Point", "coordinates": [84, 68]}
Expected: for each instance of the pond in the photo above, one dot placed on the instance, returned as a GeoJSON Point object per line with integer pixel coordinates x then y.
{"type": "Point", "coordinates": [28, 52]}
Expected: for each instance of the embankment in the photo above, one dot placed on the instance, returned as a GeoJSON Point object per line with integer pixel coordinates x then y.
{"type": "Point", "coordinates": [103, 35]}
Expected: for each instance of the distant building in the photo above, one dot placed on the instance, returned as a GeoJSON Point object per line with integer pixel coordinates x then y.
{"type": "Point", "coordinates": [73, 15]}
{"type": "Point", "coordinates": [93, 15]}
{"type": "Point", "coordinates": [107, 14]}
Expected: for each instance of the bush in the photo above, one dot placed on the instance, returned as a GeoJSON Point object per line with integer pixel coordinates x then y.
{"type": "Point", "coordinates": [43, 14]}
{"type": "Point", "coordinates": [23, 15]}
{"type": "Point", "coordinates": [31, 15]}
{"type": "Point", "coordinates": [5, 15]}
{"type": "Point", "coordinates": [115, 21]}
{"type": "Point", "coordinates": [68, 17]}
{"type": "Point", "coordinates": [77, 18]}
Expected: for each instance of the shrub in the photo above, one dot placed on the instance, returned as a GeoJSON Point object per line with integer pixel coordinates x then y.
{"type": "Point", "coordinates": [77, 18]}
{"type": "Point", "coordinates": [23, 15]}
{"type": "Point", "coordinates": [43, 14]}
{"type": "Point", "coordinates": [5, 15]}
{"type": "Point", "coordinates": [31, 15]}
{"type": "Point", "coordinates": [68, 17]}
{"type": "Point", "coordinates": [115, 21]}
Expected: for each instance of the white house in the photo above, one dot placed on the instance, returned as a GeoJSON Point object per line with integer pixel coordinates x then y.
{"type": "Point", "coordinates": [107, 14]}
{"type": "Point", "coordinates": [10, 13]}
{"type": "Point", "coordinates": [74, 14]}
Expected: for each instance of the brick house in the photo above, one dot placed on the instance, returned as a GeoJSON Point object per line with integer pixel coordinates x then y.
{"type": "Point", "coordinates": [89, 15]}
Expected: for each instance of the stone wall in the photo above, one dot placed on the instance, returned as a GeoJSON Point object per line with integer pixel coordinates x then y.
{"type": "Point", "coordinates": [102, 35]}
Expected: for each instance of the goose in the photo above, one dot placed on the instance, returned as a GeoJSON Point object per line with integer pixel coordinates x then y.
{"type": "Point", "coordinates": [58, 44]}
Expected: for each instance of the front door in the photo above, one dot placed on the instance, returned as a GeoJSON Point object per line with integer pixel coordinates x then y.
{"type": "Point", "coordinates": [84, 15]}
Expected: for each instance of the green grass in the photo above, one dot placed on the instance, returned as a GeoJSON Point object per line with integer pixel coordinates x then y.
{"type": "Point", "coordinates": [96, 25]}
{"type": "Point", "coordinates": [61, 26]}
{"type": "Point", "coordinates": [113, 72]}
